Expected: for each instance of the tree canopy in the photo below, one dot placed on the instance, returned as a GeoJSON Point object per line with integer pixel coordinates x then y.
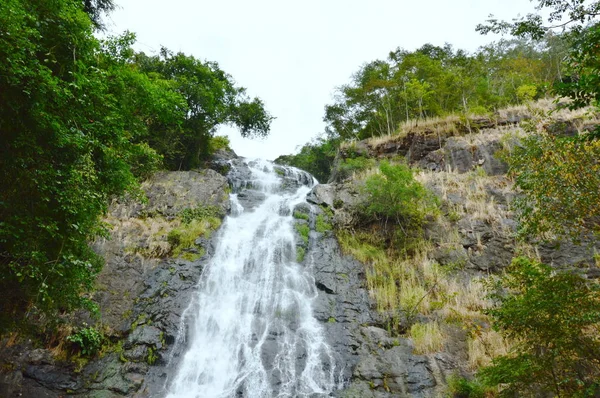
{"type": "Point", "coordinates": [435, 81]}
{"type": "Point", "coordinates": [83, 120]}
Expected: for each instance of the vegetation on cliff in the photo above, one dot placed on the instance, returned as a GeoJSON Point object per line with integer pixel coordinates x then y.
{"type": "Point", "coordinates": [534, 330]}
{"type": "Point", "coordinates": [83, 120]}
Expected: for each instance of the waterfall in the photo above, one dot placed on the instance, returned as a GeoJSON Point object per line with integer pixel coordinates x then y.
{"type": "Point", "coordinates": [249, 331]}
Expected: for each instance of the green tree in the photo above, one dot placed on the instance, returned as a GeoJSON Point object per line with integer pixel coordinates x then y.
{"type": "Point", "coordinates": [560, 181]}
{"type": "Point", "coordinates": [566, 203]}
{"type": "Point", "coordinates": [211, 100]}
{"type": "Point", "coordinates": [553, 320]}
{"type": "Point", "coordinates": [64, 152]}
{"type": "Point", "coordinates": [316, 157]}
{"type": "Point", "coordinates": [398, 201]}
{"type": "Point", "coordinates": [96, 8]}
{"type": "Point", "coordinates": [580, 18]}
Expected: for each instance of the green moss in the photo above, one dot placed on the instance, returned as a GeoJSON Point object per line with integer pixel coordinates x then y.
{"type": "Point", "coordinates": [322, 225]}
{"type": "Point", "coordinates": [300, 254]}
{"type": "Point", "coordinates": [303, 230]}
{"type": "Point", "coordinates": [152, 356]}
{"type": "Point", "coordinates": [195, 223]}
{"type": "Point", "coordinates": [300, 216]}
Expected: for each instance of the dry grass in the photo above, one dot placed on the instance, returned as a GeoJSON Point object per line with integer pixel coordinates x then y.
{"type": "Point", "coordinates": [440, 125]}
{"type": "Point", "coordinates": [543, 110]}
{"type": "Point", "coordinates": [427, 337]}
{"type": "Point", "coordinates": [60, 347]}
{"type": "Point", "coordinates": [472, 190]}
{"type": "Point", "coordinates": [483, 346]}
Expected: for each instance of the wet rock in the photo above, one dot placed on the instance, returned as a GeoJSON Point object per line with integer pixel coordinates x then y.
{"type": "Point", "coordinates": [322, 194]}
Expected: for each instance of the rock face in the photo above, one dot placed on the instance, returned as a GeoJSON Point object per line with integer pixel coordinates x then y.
{"type": "Point", "coordinates": [141, 292]}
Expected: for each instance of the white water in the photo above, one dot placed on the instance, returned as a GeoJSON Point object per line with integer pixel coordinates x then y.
{"type": "Point", "coordinates": [250, 327]}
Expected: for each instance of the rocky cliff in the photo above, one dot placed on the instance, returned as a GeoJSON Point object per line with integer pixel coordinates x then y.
{"type": "Point", "coordinates": [141, 291]}
{"type": "Point", "coordinates": [152, 267]}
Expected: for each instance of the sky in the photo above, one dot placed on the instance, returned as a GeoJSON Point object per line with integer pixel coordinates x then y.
{"type": "Point", "coordinates": [293, 54]}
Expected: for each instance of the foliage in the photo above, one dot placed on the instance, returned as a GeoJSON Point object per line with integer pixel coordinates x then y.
{"type": "Point", "coordinates": [64, 152]}
{"type": "Point", "coordinates": [322, 225]}
{"type": "Point", "coordinates": [393, 195]}
{"type": "Point", "coordinates": [218, 142]}
{"type": "Point", "coordinates": [350, 165]}
{"type": "Point", "coordinates": [300, 216]}
{"type": "Point", "coordinates": [195, 222]}
{"type": "Point", "coordinates": [188, 215]}
{"type": "Point", "coordinates": [553, 318]}
{"type": "Point", "coordinates": [560, 180]}
{"type": "Point", "coordinates": [583, 68]}
{"type": "Point", "coordinates": [303, 230]}
{"type": "Point", "coordinates": [563, 13]}
{"type": "Point", "coordinates": [95, 9]}
{"type": "Point", "coordinates": [464, 388]}
{"type": "Point", "coordinates": [82, 121]}
{"type": "Point", "coordinates": [436, 81]}
{"type": "Point", "coordinates": [578, 19]}
{"type": "Point", "coordinates": [210, 99]}
{"type": "Point", "coordinates": [315, 157]}
{"type": "Point", "coordinates": [88, 339]}
{"type": "Point", "coordinates": [300, 254]}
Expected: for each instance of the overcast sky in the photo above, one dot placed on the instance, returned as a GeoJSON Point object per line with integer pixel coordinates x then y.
{"type": "Point", "coordinates": [292, 54]}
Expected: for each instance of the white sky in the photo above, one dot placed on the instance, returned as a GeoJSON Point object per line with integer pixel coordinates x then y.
{"type": "Point", "coordinates": [293, 54]}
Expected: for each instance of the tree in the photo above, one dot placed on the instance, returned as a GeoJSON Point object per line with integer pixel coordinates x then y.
{"type": "Point", "coordinates": [580, 18]}
{"type": "Point", "coordinates": [82, 121]}
{"type": "Point", "coordinates": [553, 320]}
{"type": "Point", "coordinates": [560, 180]}
{"type": "Point", "coordinates": [96, 8]}
{"type": "Point", "coordinates": [396, 200]}
{"type": "Point", "coordinates": [574, 14]}
{"type": "Point", "coordinates": [567, 202]}
{"type": "Point", "coordinates": [316, 157]}
{"type": "Point", "coordinates": [211, 99]}
{"type": "Point", "coordinates": [434, 81]}
{"type": "Point", "coordinates": [64, 151]}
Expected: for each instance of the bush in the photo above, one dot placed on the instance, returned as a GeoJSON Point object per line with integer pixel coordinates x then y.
{"type": "Point", "coordinates": [394, 194]}
{"type": "Point", "coordinates": [459, 387]}
{"type": "Point", "coordinates": [560, 180]}
{"type": "Point", "coordinates": [88, 340]}
{"type": "Point", "coordinates": [553, 318]}
{"type": "Point", "coordinates": [399, 202]}
{"type": "Point", "coordinates": [218, 142]}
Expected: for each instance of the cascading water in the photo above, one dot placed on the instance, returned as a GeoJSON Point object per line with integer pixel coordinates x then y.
{"type": "Point", "coordinates": [250, 329]}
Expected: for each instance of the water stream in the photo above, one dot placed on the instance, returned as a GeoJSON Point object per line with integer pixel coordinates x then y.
{"type": "Point", "coordinates": [250, 330]}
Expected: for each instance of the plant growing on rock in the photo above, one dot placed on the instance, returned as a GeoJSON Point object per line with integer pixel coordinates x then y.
{"type": "Point", "coordinates": [398, 201]}
{"type": "Point", "coordinates": [560, 180]}
{"type": "Point", "coordinates": [553, 318]}
{"type": "Point", "coordinates": [88, 340]}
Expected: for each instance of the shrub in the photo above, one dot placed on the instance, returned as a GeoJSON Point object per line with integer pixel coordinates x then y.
{"type": "Point", "coordinates": [352, 165]}
{"type": "Point", "coordinates": [560, 180]}
{"type": "Point", "coordinates": [88, 340]}
{"type": "Point", "coordinates": [394, 194]}
{"type": "Point", "coordinates": [218, 142]}
{"type": "Point", "coordinates": [399, 202]}
{"type": "Point", "coordinates": [553, 318]}
{"type": "Point", "coordinates": [460, 387]}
